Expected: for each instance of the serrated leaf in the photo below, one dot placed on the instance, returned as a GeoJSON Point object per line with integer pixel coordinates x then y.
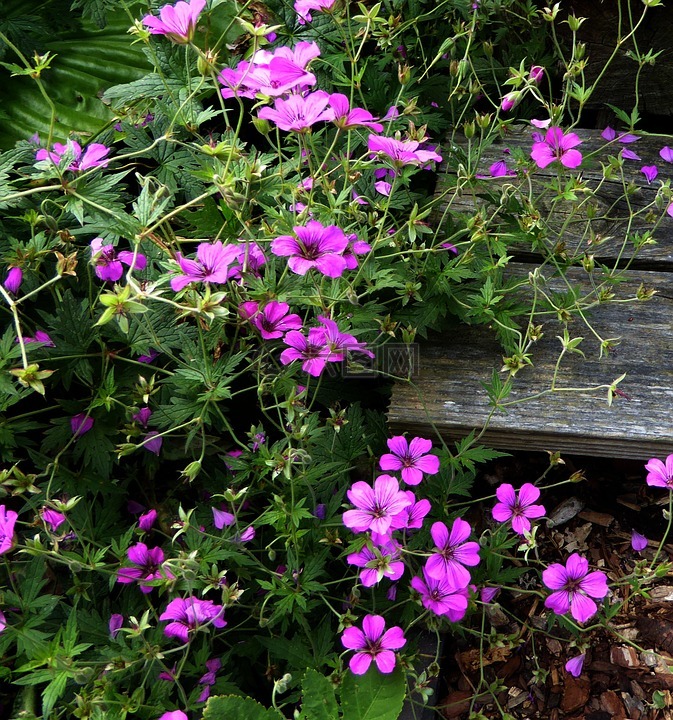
{"type": "Point", "coordinates": [373, 696]}
{"type": "Point", "coordinates": [232, 707]}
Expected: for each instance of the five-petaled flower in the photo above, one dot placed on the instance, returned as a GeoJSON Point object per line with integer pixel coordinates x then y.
{"type": "Point", "coordinates": [313, 246]}
{"type": "Point", "coordinates": [177, 22]}
{"type": "Point", "coordinates": [148, 564]}
{"type": "Point", "coordinates": [375, 506]}
{"type": "Point", "coordinates": [189, 614]}
{"type": "Point", "coordinates": [453, 553]}
{"type": "Point", "coordinates": [298, 113]}
{"type": "Point", "coordinates": [272, 320]}
{"type": "Point", "coordinates": [313, 350]}
{"type": "Point", "coordinates": [372, 643]}
{"type": "Point", "coordinates": [377, 562]}
{"type": "Point", "coordinates": [440, 596]}
{"type": "Point", "coordinates": [211, 265]}
{"type": "Point", "coordinates": [411, 458]}
{"type": "Point", "coordinates": [573, 587]}
{"type": "Point", "coordinates": [557, 146]}
{"type": "Point", "coordinates": [660, 474]}
{"type": "Point", "coordinates": [94, 156]}
{"type": "Point", "coordinates": [108, 262]}
{"type": "Point", "coordinates": [519, 510]}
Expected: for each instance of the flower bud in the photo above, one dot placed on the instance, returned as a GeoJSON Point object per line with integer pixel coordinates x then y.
{"type": "Point", "coordinates": [261, 125]}
{"type": "Point", "coordinates": [13, 280]}
{"type": "Point", "coordinates": [536, 73]}
{"type": "Point", "coordinates": [469, 129]}
{"type": "Point", "coordinates": [510, 100]}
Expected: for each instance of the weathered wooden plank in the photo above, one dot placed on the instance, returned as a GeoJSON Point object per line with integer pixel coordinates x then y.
{"type": "Point", "coordinates": [612, 213]}
{"type": "Point", "coordinates": [447, 392]}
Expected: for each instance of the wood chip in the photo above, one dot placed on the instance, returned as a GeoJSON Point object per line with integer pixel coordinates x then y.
{"type": "Point", "coordinates": [611, 704]}
{"type": "Point", "coordinates": [597, 518]}
{"type": "Point", "coordinates": [456, 703]}
{"type": "Point", "coordinates": [662, 594]}
{"type": "Point", "coordinates": [624, 656]}
{"type": "Point", "coordinates": [575, 693]}
{"type": "Point", "coordinates": [565, 511]}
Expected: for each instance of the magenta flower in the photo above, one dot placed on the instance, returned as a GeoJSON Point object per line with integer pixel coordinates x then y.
{"type": "Point", "coordinates": [153, 442]}
{"type": "Point", "coordinates": [439, 596]}
{"type": "Point", "coordinates": [372, 643]}
{"type": "Point", "coordinates": [149, 566]}
{"type": "Point", "coordinates": [222, 518]}
{"type": "Point", "coordinates": [666, 154]}
{"type": "Point", "coordinates": [557, 146]}
{"type": "Point", "coordinates": [177, 22]}
{"type": "Point", "coordinates": [383, 188]}
{"type": "Point", "coordinates": [638, 542]}
{"type": "Point", "coordinates": [142, 416]}
{"type": "Point", "coordinates": [273, 320]}
{"type": "Point", "coordinates": [355, 247]}
{"type": "Point", "coordinates": [401, 152]}
{"type": "Point", "coordinates": [303, 8]}
{"type": "Point", "coordinates": [211, 265]}
{"type": "Point", "coordinates": [650, 172]}
{"type": "Point", "coordinates": [511, 100]}
{"type": "Point", "coordinates": [94, 155]}
{"type": "Point", "coordinates": [375, 506]}
{"type": "Point", "coordinates": [7, 522]}
{"type": "Point", "coordinates": [378, 562]}
{"type": "Point", "coordinates": [339, 343]}
{"type": "Point", "coordinates": [298, 113]}
{"type": "Point", "coordinates": [345, 118]}
{"type": "Point", "coordinates": [658, 474]}
{"type": "Point", "coordinates": [314, 246]}
{"type": "Point", "coordinates": [174, 714]}
{"type": "Point", "coordinates": [536, 73]}
{"type": "Point", "coordinates": [453, 553]}
{"type": "Point", "coordinates": [108, 262]}
{"type": "Point", "coordinates": [488, 593]}
{"type": "Point", "coordinates": [246, 536]}
{"type": "Point", "coordinates": [411, 458]}
{"type": "Point", "coordinates": [147, 520]}
{"type": "Point", "coordinates": [13, 280]}
{"type": "Point", "coordinates": [189, 614]}
{"type": "Point", "coordinates": [39, 337]}
{"type": "Point", "coordinates": [53, 518]}
{"type": "Point", "coordinates": [628, 154]}
{"type": "Point", "coordinates": [115, 623]}
{"type": "Point", "coordinates": [3, 622]}
{"type": "Point", "coordinates": [574, 665]}
{"type": "Point", "coordinates": [519, 510]}
{"type": "Point", "coordinates": [574, 586]}
{"type": "Point", "coordinates": [413, 515]}
{"type": "Point", "coordinates": [80, 424]}
{"type": "Point", "coordinates": [313, 350]}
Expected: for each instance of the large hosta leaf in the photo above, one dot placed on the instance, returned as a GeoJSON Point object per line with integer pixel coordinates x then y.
{"type": "Point", "coordinates": [88, 60]}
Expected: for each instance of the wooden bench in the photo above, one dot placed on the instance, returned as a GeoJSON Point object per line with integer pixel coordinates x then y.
{"type": "Point", "coordinates": [446, 392]}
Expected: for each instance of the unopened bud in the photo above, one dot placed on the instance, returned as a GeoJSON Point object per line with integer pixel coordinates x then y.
{"type": "Point", "coordinates": [403, 74]}
{"type": "Point", "coordinates": [510, 100]}
{"type": "Point", "coordinates": [261, 125]}
{"type": "Point", "coordinates": [469, 129]}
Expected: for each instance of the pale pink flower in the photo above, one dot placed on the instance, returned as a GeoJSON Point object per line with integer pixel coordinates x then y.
{"type": "Point", "coordinates": [375, 506]}
{"type": "Point", "coordinates": [177, 22]}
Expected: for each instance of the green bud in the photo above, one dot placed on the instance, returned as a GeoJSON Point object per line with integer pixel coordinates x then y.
{"type": "Point", "coordinates": [469, 129]}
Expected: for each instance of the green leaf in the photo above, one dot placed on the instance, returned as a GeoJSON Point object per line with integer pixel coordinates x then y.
{"type": "Point", "coordinates": [373, 696]}
{"type": "Point", "coordinates": [319, 702]}
{"type": "Point", "coordinates": [232, 707]}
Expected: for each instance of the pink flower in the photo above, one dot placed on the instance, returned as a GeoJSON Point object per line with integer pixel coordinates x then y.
{"type": "Point", "coordinates": [383, 187]}
{"type": "Point", "coordinates": [3, 622]}
{"type": "Point", "coordinates": [372, 643]}
{"type": "Point", "coordinates": [519, 510]}
{"type": "Point", "coordinates": [174, 714]}
{"type": "Point", "coordinates": [574, 665]}
{"type": "Point", "coordinates": [177, 22]}
{"type": "Point", "coordinates": [488, 593]}
{"type": "Point", "coordinates": [80, 424]}
{"type": "Point", "coordinates": [94, 155]}
{"type": "Point", "coordinates": [53, 518]}
{"type": "Point", "coordinates": [13, 280]}
{"type": "Point", "coordinates": [340, 343]}
{"type": "Point", "coordinates": [401, 152]}
{"type": "Point", "coordinates": [211, 265]}
{"type": "Point", "coordinates": [650, 172]}
{"type": "Point", "coordinates": [557, 146]}
{"type": "Point", "coordinates": [39, 337]}
{"type": "Point", "coordinates": [313, 246]}
{"type": "Point", "coordinates": [147, 520]}
{"type": "Point", "coordinates": [536, 73]}
{"type": "Point", "coordinates": [313, 350]}
{"type": "Point", "coordinates": [658, 474]}
{"type": "Point", "coordinates": [115, 623]}
{"type": "Point", "coordinates": [574, 586]}
{"type": "Point", "coordinates": [7, 522]}
{"type": "Point", "coordinates": [638, 542]}
{"type": "Point", "coordinates": [440, 596]}
{"type": "Point", "coordinates": [453, 553]}
{"type": "Point", "coordinates": [378, 562]}
{"type": "Point", "coordinates": [108, 262]}
{"type": "Point", "coordinates": [345, 118]}
{"type": "Point", "coordinates": [189, 614]}
{"type": "Point", "coordinates": [629, 154]}
{"type": "Point", "coordinates": [375, 506]}
{"type": "Point", "coordinates": [153, 442]}
{"type": "Point", "coordinates": [298, 113]}
{"type": "Point", "coordinates": [149, 566]}
{"type": "Point", "coordinates": [273, 320]}
{"type": "Point", "coordinates": [413, 514]}
{"type": "Point", "coordinates": [222, 518]}
{"type": "Point", "coordinates": [303, 8]}
{"type": "Point", "coordinates": [411, 458]}
{"type": "Point", "coordinates": [511, 100]}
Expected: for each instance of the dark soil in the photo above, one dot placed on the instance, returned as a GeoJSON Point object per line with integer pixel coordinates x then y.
{"type": "Point", "coordinates": [626, 671]}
